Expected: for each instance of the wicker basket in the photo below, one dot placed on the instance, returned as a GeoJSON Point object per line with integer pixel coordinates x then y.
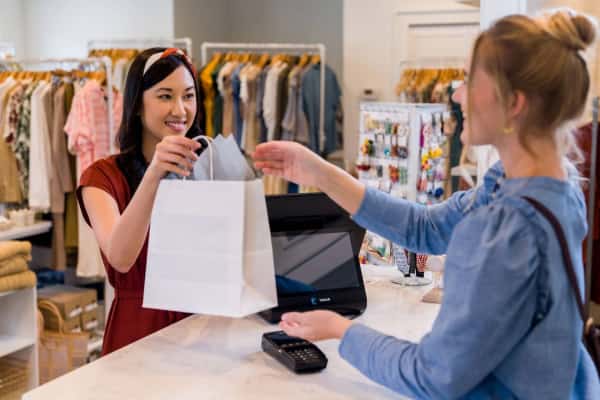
{"type": "Point", "coordinates": [14, 375]}
{"type": "Point", "coordinates": [60, 351]}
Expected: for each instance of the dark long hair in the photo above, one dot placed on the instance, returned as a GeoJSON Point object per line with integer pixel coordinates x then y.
{"type": "Point", "coordinates": [131, 159]}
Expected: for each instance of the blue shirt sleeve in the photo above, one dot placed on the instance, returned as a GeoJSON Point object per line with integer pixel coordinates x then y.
{"type": "Point", "coordinates": [414, 226]}
{"type": "Point", "coordinates": [489, 304]}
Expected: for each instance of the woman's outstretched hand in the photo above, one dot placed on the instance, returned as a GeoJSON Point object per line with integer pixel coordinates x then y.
{"type": "Point", "coordinates": [315, 325]}
{"type": "Point", "coordinates": [291, 161]}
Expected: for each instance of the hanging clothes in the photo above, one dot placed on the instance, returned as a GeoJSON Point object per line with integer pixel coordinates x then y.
{"type": "Point", "coordinates": [11, 120]}
{"type": "Point", "coordinates": [39, 151]}
{"type": "Point", "coordinates": [225, 86]}
{"type": "Point", "coordinates": [251, 126]}
{"type": "Point", "coordinates": [61, 182]}
{"type": "Point", "coordinates": [270, 100]}
{"type": "Point", "coordinates": [120, 74]}
{"type": "Point", "coordinates": [294, 124]}
{"type": "Point", "coordinates": [311, 84]}
{"type": "Point", "coordinates": [236, 86]}
{"type": "Point", "coordinates": [10, 184]}
{"type": "Point", "coordinates": [71, 220]}
{"type": "Point", "coordinates": [89, 137]}
{"type": "Point", "coordinates": [282, 99]}
{"type": "Point", "coordinates": [258, 98]}
{"type": "Point", "coordinates": [218, 106]}
{"type": "Point", "coordinates": [87, 124]}
{"type": "Point", "coordinates": [206, 82]}
{"type": "Point", "coordinates": [261, 81]}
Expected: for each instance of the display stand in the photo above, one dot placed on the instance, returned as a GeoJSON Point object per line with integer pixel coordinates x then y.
{"type": "Point", "coordinates": [390, 160]}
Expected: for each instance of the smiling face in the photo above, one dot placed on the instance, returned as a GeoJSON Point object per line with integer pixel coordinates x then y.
{"type": "Point", "coordinates": [170, 106]}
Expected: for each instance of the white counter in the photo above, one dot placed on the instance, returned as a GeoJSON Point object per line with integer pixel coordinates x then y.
{"type": "Point", "coordinates": [220, 358]}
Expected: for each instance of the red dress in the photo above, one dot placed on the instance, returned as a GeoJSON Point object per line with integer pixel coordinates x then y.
{"type": "Point", "coordinates": [127, 320]}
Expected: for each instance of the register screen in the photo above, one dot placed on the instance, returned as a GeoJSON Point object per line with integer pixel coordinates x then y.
{"type": "Point", "coordinates": [308, 262]}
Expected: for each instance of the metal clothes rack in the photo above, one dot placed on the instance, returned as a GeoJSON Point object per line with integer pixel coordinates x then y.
{"type": "Point", "coordinates": [296, 47]}
{"type": "Point", "coordinates": [182, 43]}
{"type": "Point", "coordinates": [77, 63]}
{"type": "Point", "coordinates": [591, 203]}
{"type": "Point", "coordinates": [433, 62]}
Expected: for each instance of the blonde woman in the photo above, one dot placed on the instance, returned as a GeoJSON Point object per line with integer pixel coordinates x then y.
{"type": "Point", "coordinates": [508, 327]}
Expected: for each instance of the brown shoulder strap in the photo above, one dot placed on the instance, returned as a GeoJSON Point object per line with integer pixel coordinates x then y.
{"type": "Point", "coordinates": [568, 263]}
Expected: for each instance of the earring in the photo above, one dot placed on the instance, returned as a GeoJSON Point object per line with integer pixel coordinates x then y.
{"type": "Point", "coordinates": [508, 130]}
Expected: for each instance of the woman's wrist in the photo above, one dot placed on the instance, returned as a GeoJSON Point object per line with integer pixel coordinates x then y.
{"type": "Point", "coordinates": [326, 176]}
{"type": "Point", "coordinates": [341, 326]}
{"type": "Point", "coordinates": [152, 177]}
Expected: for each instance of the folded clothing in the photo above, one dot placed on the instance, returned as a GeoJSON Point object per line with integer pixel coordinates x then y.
{"type": "Point", "coordinates": [13, 265]}
{"type": "Point", "coordinates": [17, 281]}
{"type": "Point", "coordinates": [11, 248]}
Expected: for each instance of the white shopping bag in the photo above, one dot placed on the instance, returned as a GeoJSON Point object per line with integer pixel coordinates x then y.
{"type": "Point", "coordinates": [209, 249]}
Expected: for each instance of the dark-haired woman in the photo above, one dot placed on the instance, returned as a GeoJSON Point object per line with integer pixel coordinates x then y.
{"type": "Point", "coordinates": [116, 194]}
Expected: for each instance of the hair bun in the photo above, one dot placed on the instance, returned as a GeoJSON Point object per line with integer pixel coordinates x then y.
{"type": "Point", "coordinates": [576, 31]}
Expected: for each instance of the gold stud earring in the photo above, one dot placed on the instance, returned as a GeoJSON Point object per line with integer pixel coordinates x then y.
{"type": "Point", "coordinates": [508, 130]}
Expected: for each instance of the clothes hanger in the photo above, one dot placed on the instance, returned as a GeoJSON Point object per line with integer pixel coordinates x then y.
{"type": "Point", "coordinates": [304, 58]}
{"type": "Point", "coordinates": [264, 60]}
{"type": "Point", "coordinates": [246, 58]}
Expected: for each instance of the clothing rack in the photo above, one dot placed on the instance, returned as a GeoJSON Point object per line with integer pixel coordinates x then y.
{"type": "Point", "coordinates": [296, 47]}
{"type": "Point", "coordinates": [591, 202]}
{"type": "Point", "coordinates": [433, 62]}
{"type": "Point", "coordinates": [182, 43]}
{"type": "Point", "coordinates": [75, 63]}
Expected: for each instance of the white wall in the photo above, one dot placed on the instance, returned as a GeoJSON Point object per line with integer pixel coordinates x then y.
{"type": "Point", "coordinates": [283, 21]}
{"type": "Point", "coordinates": [62, 28]}
{"type": "Point", "coordinates": [368, 59]}
{"type": "Point", "coordinates": [11, 24]}
{"type": "Point", "coordinates": [202, 21]}
{"type": "Point", "coordinates": [290, 21]}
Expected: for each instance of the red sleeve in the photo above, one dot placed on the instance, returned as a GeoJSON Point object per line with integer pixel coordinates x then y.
{"type": "Point", "coordinates": [98, 175]}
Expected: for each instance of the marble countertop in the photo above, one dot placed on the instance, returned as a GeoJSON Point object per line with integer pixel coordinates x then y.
{"type": "Point", "coordinates": [205, 357]}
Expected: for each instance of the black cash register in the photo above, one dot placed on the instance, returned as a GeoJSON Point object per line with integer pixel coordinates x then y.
{"type": "Point", "coordinates": [315, 250]}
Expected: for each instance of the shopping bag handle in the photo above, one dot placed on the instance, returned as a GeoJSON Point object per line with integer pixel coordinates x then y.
{"type": "Point", "coordinates": [209, 141]}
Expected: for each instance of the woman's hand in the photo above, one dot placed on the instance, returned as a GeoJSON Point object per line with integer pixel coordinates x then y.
{"type": "Point", "coordinates": [315, 325]}
{"type": "Point", "coordinates": [173, 154]}
{"type": "Point", "coordinates": [291, 161]}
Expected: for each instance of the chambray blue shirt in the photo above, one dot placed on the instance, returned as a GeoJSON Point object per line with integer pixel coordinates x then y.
{"type": "Point", "coordinates": [508, 326]}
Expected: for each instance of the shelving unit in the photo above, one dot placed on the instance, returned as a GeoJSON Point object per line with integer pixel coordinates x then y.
{"type": "Point", "coordinates": [25, 231]}
{"type": "Point", "coordinates": [94, 344]}
{"type": "Point", "coordinates": [18, 338]}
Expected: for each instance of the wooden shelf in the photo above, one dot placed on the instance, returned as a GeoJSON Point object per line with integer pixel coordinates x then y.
{"type": "Point", "coordinates": [11, 344]}
{"type": "Point", "coordinates": [26, 231]}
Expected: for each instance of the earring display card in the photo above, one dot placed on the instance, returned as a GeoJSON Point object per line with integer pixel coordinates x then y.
{"type": "Point", "coordinates": [383, 162]}
{"type": "Point", "coordinates": [390, 153]}
{"type": "Point", "coordinates": [383, 159]}
{"type": "Point", "coordinates": [434, 159]}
